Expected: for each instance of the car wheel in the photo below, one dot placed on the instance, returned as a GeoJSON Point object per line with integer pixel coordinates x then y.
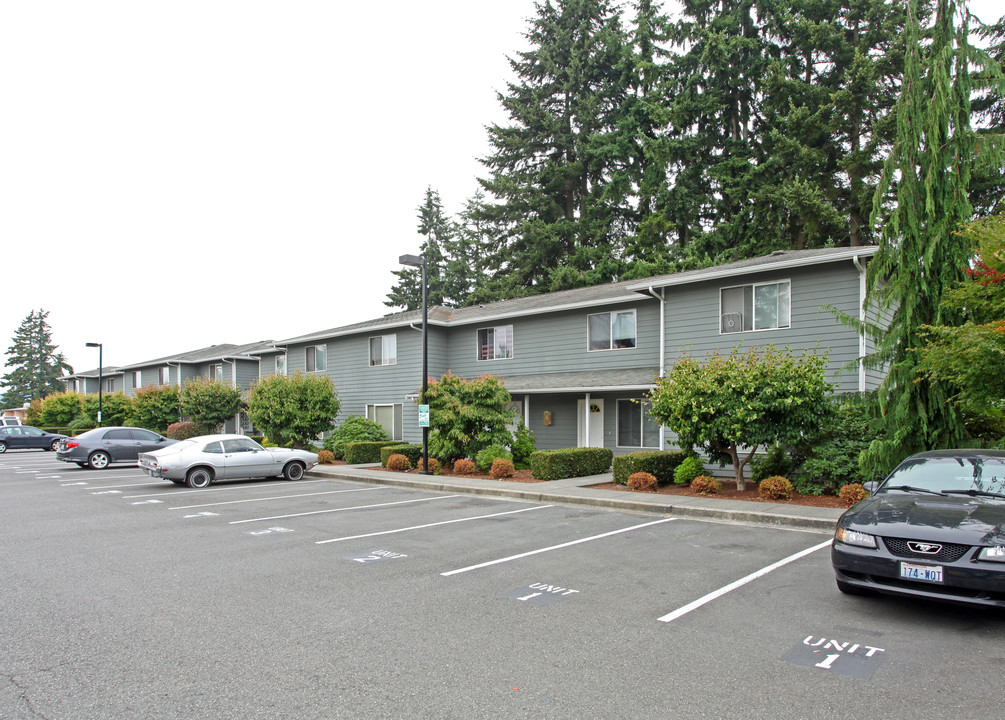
{"type": "Point", "coordinates": [3, 447]}
{"type": "Point", "coordinates": [98, 460]}
{"type": "Point", "coordinates": [199, 477]}
{"type": "Point", "coordinates": [55, 445]}
{"type": "Point", "coordinates": [293, 471]}
{"type": "Point", "coordinates": [849, 589]}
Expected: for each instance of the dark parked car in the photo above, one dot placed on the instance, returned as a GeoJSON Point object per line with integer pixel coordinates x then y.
{"type": "Point", "coordinates": [13, 437]}
{"type": "Point", "coordinates": [934, 529]}
{"type": "Point", "coordinates": [98, 448]}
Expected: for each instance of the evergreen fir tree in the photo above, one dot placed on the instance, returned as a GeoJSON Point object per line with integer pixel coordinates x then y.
{"type": "Point", "coordinates": [922, 254]}
{"type": "Point", "coordinates": [37, 367]}
{"type": "Point", "coordinates": [438, 231]}
{"type": "Point", "coordinates": [551, 164]}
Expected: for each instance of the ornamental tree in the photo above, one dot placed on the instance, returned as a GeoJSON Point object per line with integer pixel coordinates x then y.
{"type": "Point", "coordinates": [466, 416]}
{"type": "Point", "coordinates": [209, 403]}
{"type": "Point", "coordinates": [294, 409]}
{"type": "Point", "coordinates": [155, 407]}
{"type": "Point", "coordinates": [743, 400]}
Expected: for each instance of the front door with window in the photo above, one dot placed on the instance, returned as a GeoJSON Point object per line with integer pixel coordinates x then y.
{"type": "Point", "coordinates": [594, 437]}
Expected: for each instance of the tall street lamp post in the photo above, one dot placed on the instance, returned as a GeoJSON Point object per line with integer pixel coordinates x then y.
{"type": "Point", "coordinates": [100, 383]}
{"type": "Point", "coordinates": [420, 262]}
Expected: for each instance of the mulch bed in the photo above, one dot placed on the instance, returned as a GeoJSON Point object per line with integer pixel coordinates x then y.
{"type": "Point", "coordinates": [728, 492]}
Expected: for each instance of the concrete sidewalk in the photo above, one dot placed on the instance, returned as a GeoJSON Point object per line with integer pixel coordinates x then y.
{"type": "Point", "coordinates": [575, 491]}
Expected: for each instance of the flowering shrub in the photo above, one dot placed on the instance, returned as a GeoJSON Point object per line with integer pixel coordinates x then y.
{"type": "Point", "coordinates": [326, 457]}
{"type": "Point", "coordinates": [775, 488]}
{"type": "Point", "coordinates": [642, 481]}
{"type": "Point", "coordinates": [705, 485]}
{"type": "Point", "coordinates": [398, 462]}
{"type": "Point", "coordinates": [852, 493]}
{"type": "Point", "coordinates": [502, 468]}
{"type": "Point", "coordinates": [465, 467]}
{"type": "Point", "coordinates": [434, 465]}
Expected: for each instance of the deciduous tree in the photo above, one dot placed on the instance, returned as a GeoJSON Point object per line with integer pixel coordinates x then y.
{"type": "Point", "coordinates": [209, 403]}
{"type": "Point", "coordinates": [466, 416]}
{"type": "Point", "coordinates": [294, 409]}
{"type": "Point", "coordinates": [743, 400]}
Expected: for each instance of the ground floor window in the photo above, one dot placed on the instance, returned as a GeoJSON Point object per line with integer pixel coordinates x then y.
{"type": "Point", "coordinates": [635, 428]}
{"type": "Point", "coordinates": [388, 417]}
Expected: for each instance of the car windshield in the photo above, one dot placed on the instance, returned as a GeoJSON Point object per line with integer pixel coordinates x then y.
{"type": "Point", "coordinates": [946, 474]}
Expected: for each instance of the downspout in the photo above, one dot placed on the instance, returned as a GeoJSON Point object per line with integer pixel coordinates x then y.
{"type": "Point", "coordinates": [586, 422]}
{"type": "Point", "coordinates": [856, 260]}
{"type": "Point", "coordinates": [663, 346]}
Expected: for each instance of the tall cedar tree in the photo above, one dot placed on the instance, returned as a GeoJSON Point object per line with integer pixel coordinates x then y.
{"type": "Point", "coordinates": [438, 231]}
{"type": "Point", "coordinates": [988, 189]}
{"type": "Point", "coordinates": [922, 255]}
{"type": "Point", "coordinates": [37, 367]}
{"type": "Point", "coordinates": [553, 224]}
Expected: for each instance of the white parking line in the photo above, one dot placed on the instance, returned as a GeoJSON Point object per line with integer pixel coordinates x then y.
{"type": "Point", "coordinates": [106, 487]}
{"type": "Point", "coordinates": [279, 497]}
{"type": "Point", "coordinates": [556, 547]}
{"type": "Point", "coordinates": [669, 617]}
{"type": "Point", "coordinates": [221, 488]}
{"type": "Point", "coordinates": [429, 525]}
{"type": "Point", "coordinates": [334, 510]}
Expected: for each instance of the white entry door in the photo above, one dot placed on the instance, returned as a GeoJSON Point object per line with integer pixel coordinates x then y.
{"type": "Point", "coordinates": [596, 423]}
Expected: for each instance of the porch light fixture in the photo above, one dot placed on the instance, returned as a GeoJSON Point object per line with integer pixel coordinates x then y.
{"type": "Point", "coordinates": [100, 363]}
{"type": "Point", "coordinates": [420, 262]}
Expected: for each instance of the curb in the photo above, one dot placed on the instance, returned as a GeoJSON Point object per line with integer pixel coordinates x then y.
{"type": "Point", "coordinates": [777, 516]}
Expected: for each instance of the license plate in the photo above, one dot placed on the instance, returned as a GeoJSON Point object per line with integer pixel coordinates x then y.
{"type": "Point", "coordinates": [924, 573]}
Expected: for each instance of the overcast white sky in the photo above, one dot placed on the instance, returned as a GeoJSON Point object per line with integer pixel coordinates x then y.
{"type": "Point", "coordinates": [180, 174]}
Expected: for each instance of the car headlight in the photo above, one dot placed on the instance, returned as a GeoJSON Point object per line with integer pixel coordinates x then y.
{"type": "Point", "coordinates": [994, 554]}
{"type": "Point", "coordinates": [854, 537]}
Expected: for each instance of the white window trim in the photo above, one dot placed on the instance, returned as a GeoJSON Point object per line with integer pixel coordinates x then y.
{"type": "Point", "coordinates": [612, 313]}
{"type": "Point", "coordinates": [494, 329]}
{"type": "Point", "coordinates": [383, 343]}
{"type": "Point", "coordinates": [314, 348]}
{"type": "Point", "coordinates": [642, 433]}
{"type": "Point", "coordinates": [753, 289]}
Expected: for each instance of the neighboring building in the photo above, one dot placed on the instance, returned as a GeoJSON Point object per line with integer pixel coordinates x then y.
{"type": "Point", "coordinates": [577, 363]}
{"type": "Point", "coordinates": [86, 383]}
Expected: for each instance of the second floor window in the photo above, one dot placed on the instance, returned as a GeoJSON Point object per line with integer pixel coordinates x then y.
{"type": "Point", "coordinates": [611, 331]}
{"type": "Point", "coordinates": [280, 364]}
{"type": "Point", "coordinates": [384, 350]}
{"type": "Point", "coordinates": [165, 376]}
{"type": "Point", "coordinates": [317, 358]}
{"type": "Point", "coordinates": [216, 372]}
{"type": "Point", "coordinates": [137, 379]}
{"type": "Point", "coordinates": [763, 306]}
{"type": "Point", "coordinates": [495, 343]}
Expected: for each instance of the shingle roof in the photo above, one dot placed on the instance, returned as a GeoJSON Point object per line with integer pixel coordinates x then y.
{"type": "Point", "coordinates": [622, 291]}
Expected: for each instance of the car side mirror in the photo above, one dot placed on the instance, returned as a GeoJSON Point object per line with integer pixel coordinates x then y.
{"type": "Point", "coordinates": [871, 487]}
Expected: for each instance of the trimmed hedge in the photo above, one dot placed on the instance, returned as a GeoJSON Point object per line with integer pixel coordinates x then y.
{"type": "Point", "coordinates": [359, 453]}
{"type": "Point", "coordinates": [659, 463]}
{"type": "Point", "coordinates": [412, 452]}
{"type": "Point", "coordinates": [570, 462]}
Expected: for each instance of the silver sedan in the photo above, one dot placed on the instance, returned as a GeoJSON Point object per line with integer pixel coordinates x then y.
{"type": "Point", "coordinates": [199, 461]}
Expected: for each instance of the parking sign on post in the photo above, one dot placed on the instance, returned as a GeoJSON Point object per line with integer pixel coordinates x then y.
{"type": "Point", "coordinates": [423, 416]}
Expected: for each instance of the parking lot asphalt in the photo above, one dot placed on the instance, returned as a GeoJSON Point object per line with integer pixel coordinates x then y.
{"type": "Point", "coordinates": [578, 491]}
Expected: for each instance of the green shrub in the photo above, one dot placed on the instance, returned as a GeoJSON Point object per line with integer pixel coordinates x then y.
{"type": "Point", "coordinates": [80, 424]}
{"type": "Point", "coordinates": [465, 467]}
{"type": "Point", "coordinates": [643, 481]}
{"type": "Point", "coordinates": [184, 430]}
{"type": "Point", "coordinates": [402, 449]}
{"type": "Point", "coordinates": [359, 453]}
{"type": "Point", "coordinates": [852, 493]}
{"type": "Point", "coordinates": [705, 485]}
{"type": "Point", "coordinates": [434, 466]}
{"type": "Point", "coordinates": [688, 469]}
{"type": "Point", "coordinates": [523, 446]}
{"type": "Point", "coordinates": [659, 463]}
{"type": "Point", "coordinates": [353, 429]}
{"type": "Point", "coordinates": [325, 457]}
{"type": "Point", "coordinates": [825, 462]}
{"type": "Point", "coordinates": [398, 463]}
{"type": "Point", "coordinates": [490, 454]}
{"type": "Point", "coordinates": [60, 409]}
{"type": "Point", "coordinates": [775, 488]}
{"type": "Point", "coordinates": [570, 462]}
{"type": "Point", "coordinates": [774, 463]}
{"type": "Point", "coordinates": [294, 409]}
{"type": "Point", "coordinates": [502, 468]}
{"type": "Point", "coordinates": [155, 407]}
